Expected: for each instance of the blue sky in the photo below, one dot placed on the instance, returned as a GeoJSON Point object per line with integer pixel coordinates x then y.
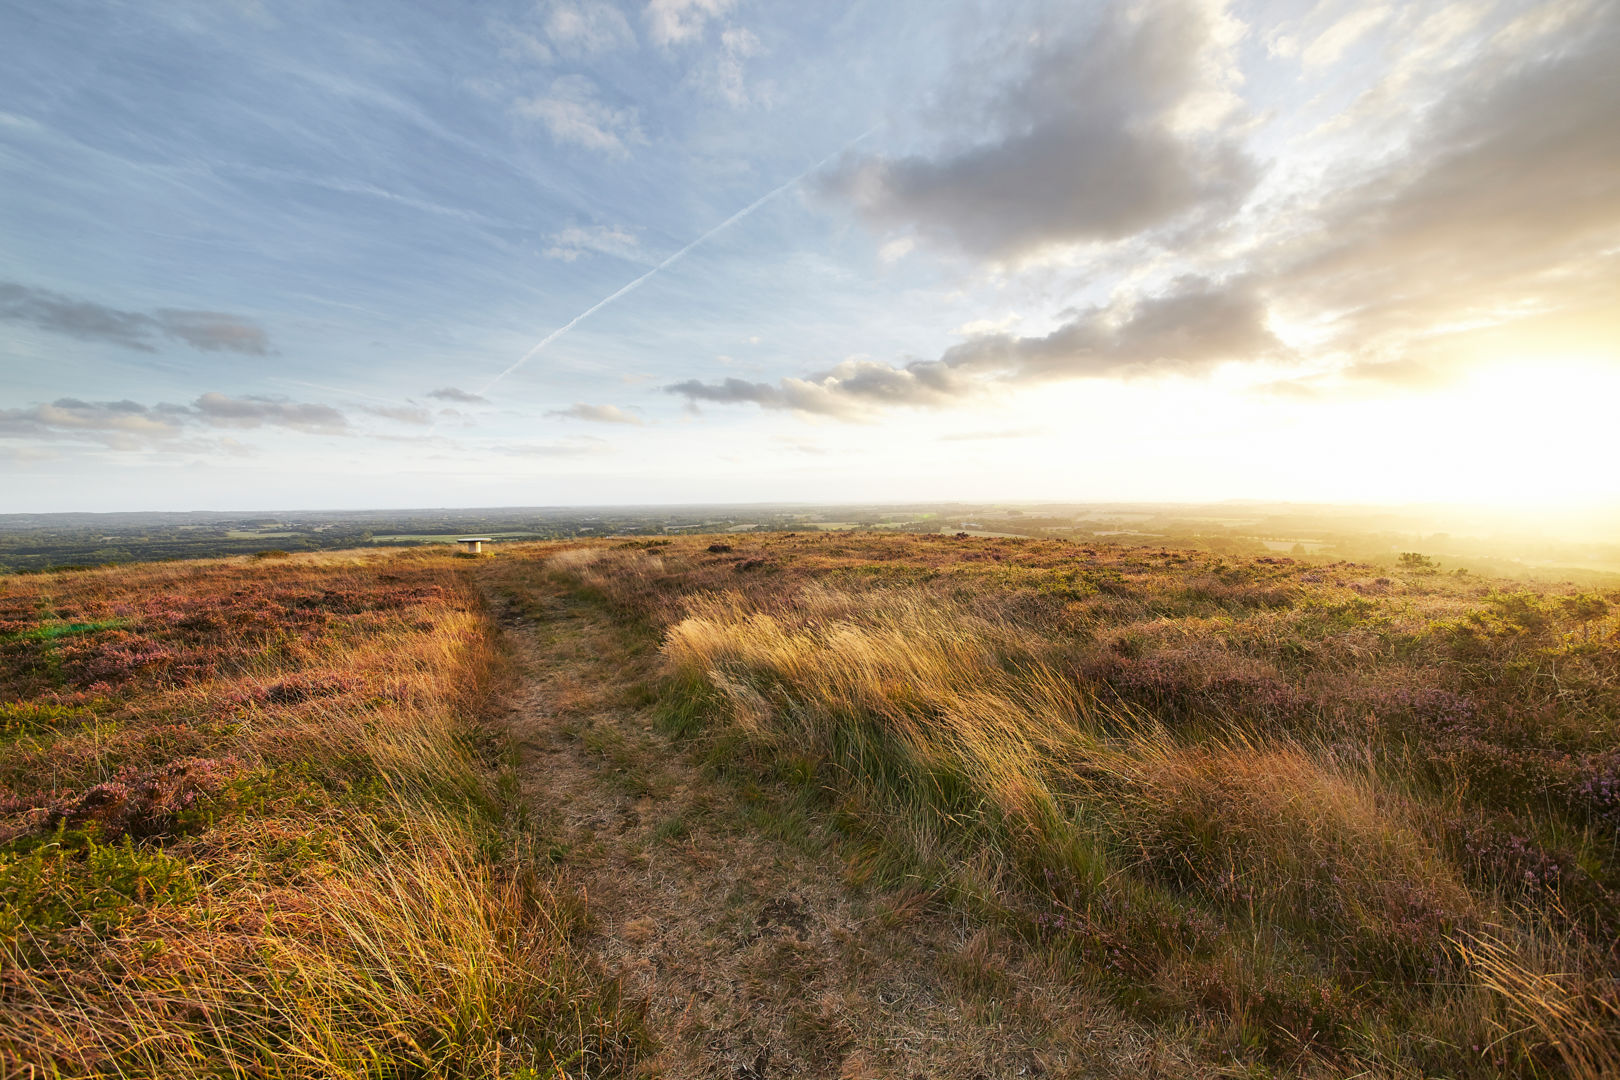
{"type": "Point", "coordinates": [281, 254]}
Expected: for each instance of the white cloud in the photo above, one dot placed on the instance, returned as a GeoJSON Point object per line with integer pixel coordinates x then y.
{"type": "Point", "coordinates": [978, 327]}
{"type": "Point", "coordinates": [898, 248]}
{"type": "Point", "coordinates": [1333, 42]}
{"type": "Point", "coordinates": [671, 22]}
{"type": "Point", "coordinates": [573, 113]}
{"type": "Point", "coordinates": [574, 241]}
{"type": "Point", "coordinates": [728, 78]}
{"type": "Point", "coordinates": [588, 28]}
{"type": "Point", "coordinates": [596, 414]}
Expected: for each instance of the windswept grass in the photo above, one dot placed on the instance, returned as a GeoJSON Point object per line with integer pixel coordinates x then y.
{"type": "Point", "coordinates": [1328, 818]}
{"type": "Point", "coordinates": [250, 826]}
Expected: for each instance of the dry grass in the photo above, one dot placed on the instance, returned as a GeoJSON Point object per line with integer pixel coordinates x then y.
{"type": "Point", "coordinates": [252, 827]}
{"type": "Point", "coordinates": [1321, 815]}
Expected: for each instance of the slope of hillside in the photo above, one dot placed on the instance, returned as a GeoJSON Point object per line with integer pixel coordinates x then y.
{"type": "Point", "coordinates": [730, 911]}
{"type": "Point", "coordinates": [251, 826]}
{"type": "Point", "coordinates": [1302, 813]}
{"type": "Point", "coordinates": [839, 805]}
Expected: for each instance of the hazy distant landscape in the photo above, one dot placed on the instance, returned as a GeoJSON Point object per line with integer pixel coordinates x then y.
{"type": "Point", "coordinates": [1548, 546]}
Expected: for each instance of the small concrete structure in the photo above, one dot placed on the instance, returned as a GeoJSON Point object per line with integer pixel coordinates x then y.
{"type": "Point", "coordinates": [473, 545]}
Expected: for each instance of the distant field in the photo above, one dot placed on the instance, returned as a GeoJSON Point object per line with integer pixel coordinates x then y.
{"type": "Point", "coordinates": [445, 538]}
{"type": "Point", "coordinates": [1310, 547]}
{"type": "Point", "coordinates": [950, 531]}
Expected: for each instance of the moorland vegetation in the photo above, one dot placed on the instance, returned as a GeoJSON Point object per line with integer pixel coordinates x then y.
{"type": "Point", "coordinates": [1318, 811]}
{"type": "Point", "coordinates": [1313, 817]}
{"type": "Point", "coordinates": [251, 825]}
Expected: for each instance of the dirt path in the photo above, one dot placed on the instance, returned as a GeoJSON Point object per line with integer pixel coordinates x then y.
{"type": "Point", "coordinates": [733, 917]}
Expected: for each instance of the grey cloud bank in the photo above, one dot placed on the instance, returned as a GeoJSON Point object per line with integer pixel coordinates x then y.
{"type": "Point", "coordinates": [1193, 326]}
{"type": "Point", "coordinates": [1087, 145]}
{"type": "Point", "coordinates": [207, 331]}
{"type": "Point", "coordinates": [124, 425]}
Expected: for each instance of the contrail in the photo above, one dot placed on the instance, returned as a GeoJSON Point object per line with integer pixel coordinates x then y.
{"type": "Point", "coordinates": [632, 286]}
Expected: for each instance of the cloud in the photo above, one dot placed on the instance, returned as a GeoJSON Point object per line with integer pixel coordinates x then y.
{"type": "Point", "coordinates": [404, 414]}
{"type": "Point", "coordinates": [253, 410]}
{"type": "Point", "coordinates": [600, 414]}
{"type": "Point", "coordinates": [26, 455]}
{"type": "Point", "coordinates": [1192, 326]}
{"type": "Point", "coordinates": [213, 331]}
{"type": "Point", "coordinates": [894, 250]}
{"type": "Point", "coordinates": [614, 240]}
{"type": "Point", "coordinates": [130, 425]}
{"type": "Point", "coordinates": [801, 446]}
{"type": "Point", "coordinates": [1495, 230]}
{"type": "Point", "coordinates": [984, 436]}
{"type": "Point", "coordinates": [461, 397]}
{"type": "Point", "coordinates": [209, 331]}
{"type": "Point", "coordinates": [588, 28]}
{"type": "Point", "coordinates": [573, 113]}
{"type": "Point", "coordinates": [727, 78]}
{"type": "Point", "coordinates": [1336, 39]}
{"type": "Point", "coordinates": [979, 327]}
{"type": "Point", "coordinates": [117, 424]}
{"type": "Point", "coordinates": [850, 390]}
{"type": "Point", "coordinates": [1106, 132]}
{"type": "Point", "coordinates": [1506, 211]}
{"type": "Point", "coordinates": [571, 448]}
{"type": "Point", "coordinates": [671, 22]}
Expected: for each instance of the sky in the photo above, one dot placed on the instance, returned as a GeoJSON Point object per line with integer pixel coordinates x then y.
{"type": "Point", "coordinates": [261, 255]}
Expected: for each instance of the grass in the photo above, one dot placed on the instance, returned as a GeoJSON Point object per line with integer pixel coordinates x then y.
{"type": "Point", "coordinates": [1320, 816]}
{"type": "Point", "coordinates": [1302, 817]}
{"type": "Point", "coordinates": [251, 823]}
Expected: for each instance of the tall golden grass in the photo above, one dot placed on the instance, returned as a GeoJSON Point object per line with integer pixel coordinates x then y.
{"type": "Point", "coordinates": [1284, 884]}
{"type": "Point", "coordinates": [353, 899]}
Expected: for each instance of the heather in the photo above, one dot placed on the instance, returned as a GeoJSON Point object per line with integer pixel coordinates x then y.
{"type": "Point", "coordinates": [253, 822]}
{"type": "Point", "coordinates": [1320, 815]}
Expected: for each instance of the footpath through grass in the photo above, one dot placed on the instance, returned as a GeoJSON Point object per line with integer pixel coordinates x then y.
{"type": "Point", "coordinates": [250, 825]}
{"type": "Point", "coordinates": [1320, 819]}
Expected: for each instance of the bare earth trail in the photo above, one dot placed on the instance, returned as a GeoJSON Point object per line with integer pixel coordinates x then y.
{"type": "Point", "coordinates": [733, 920]}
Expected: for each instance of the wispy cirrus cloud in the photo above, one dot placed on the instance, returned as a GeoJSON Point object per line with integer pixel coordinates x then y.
{"type": "Point", "coordinates": [88, 320]}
